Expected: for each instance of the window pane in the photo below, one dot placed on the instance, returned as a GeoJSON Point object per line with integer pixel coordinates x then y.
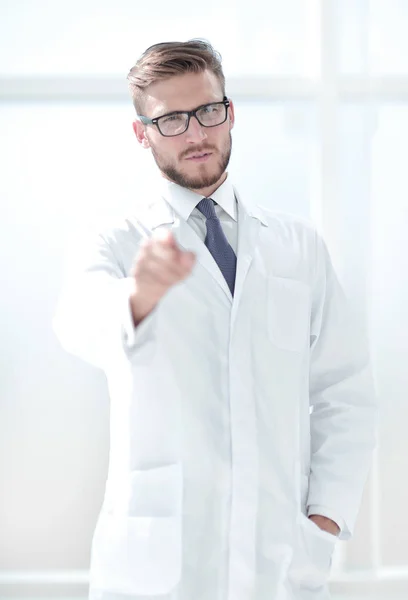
{"type": "Point", "coordinates": [274, 157]}
{"type": "Point", "coordinates": [281, 38]}
{"type": "Point", "coordinates": [105, 38]}
{"type": "Point", "coordinates": [61, 165]}
{"type": "Point", "coordinates": [373, 36]}
{"type": "Point", "coordinates": [372, 217]}
{"type": "Point", "coordinates": [388, 38]}
{"type": "Point", "coordinates": [352, 19]}
{"type": "Point", "coordinates": [390, 322]}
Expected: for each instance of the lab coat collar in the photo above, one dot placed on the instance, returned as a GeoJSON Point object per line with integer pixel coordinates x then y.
{"type": "Point", "coordinates": [169, 200]}
{"type": "Point", "coordinates": [251, 218]}
{"type": "Point", "coordinates": [184, 200]}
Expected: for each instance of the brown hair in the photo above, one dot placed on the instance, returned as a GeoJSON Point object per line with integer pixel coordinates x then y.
{"type": "Point", "coordinates": [168, 59]}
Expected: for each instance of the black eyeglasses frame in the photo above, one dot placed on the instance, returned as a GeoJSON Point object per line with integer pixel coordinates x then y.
{"type": "Point", "coordinates": [190, 113]}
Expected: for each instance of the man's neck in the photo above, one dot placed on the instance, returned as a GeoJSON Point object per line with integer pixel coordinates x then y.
{"type": "Point", "coordinates": [208, 191]}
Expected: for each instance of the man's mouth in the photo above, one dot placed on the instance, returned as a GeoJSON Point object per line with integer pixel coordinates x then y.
{"type": "Point", "coordinates": [200, 156]}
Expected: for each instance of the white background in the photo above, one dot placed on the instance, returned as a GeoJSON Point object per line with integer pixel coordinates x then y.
{"type": "Point", "coordinates": [321, 95]}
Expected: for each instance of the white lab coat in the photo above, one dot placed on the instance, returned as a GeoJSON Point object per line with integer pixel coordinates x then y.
{"type": "Point", "coordinates": [214, 452]}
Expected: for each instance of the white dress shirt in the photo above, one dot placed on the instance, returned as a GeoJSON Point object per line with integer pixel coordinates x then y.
{"type": "Point", "coordinates": [184, 201]}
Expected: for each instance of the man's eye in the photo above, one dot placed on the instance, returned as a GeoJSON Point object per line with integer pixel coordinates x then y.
{"type": "Point", "coordinates": [211, 108]}
{"type": "Point", "coordinates": [172, 118]}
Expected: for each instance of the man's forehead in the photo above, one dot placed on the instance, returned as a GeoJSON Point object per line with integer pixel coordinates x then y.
{"type": "Point", "coordinates": [159, 105]}
{"type": "Point", "coordinates": [184, 92]}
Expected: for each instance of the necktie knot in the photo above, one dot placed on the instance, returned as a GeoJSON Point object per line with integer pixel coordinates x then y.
{"type": "Point", "coordinates": [206, 206]}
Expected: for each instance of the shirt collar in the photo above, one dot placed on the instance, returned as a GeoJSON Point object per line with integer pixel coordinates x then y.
{"type": "Point", "coordinates": [184, 200]}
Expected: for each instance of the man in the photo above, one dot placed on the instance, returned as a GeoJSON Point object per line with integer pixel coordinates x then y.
{"type": "Point", "coordinates": [242, 405]}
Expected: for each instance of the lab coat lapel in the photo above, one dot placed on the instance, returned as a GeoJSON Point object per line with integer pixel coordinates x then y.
{"type": "Point", "coordinates": [250, 222]}
{"type": "Point", "coordinates": [160, 214]}
{"type": "Point", "coordinates": [189, 240]}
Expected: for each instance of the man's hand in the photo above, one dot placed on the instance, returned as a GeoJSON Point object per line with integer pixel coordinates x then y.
{"type": "Point", "coordinates": [159, 265]}
{"type": "Point", "coordinates": [325, 524]}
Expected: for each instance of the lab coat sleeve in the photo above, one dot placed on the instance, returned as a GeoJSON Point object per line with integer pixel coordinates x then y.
{"type": "Point", "coordinates": [326, 512]}
{"type": "Point", "coordinates": [93, 318]}
{"type": "Point", "coordinates": [344, 414]}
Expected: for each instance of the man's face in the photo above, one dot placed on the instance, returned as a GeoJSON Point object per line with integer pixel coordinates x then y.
{"type": "Point", "coordinates": [172, 154]}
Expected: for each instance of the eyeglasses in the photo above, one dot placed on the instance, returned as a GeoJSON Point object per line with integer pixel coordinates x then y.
{"type": "Point", "coordinates": [176, 123]}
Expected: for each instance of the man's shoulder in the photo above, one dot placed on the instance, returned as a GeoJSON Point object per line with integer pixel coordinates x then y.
{"type": "Point", "coordinates": [290, 243]}
{"type": "Point", "coordinates": [275, 216]}
{"type": "Point", "coordinates": [287, 225]}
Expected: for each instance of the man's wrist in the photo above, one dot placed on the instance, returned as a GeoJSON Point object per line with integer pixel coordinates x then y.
{"type": "Point", "coordinates": [326, 524]}
{"type": "Point", "coordinates": [140, 306]}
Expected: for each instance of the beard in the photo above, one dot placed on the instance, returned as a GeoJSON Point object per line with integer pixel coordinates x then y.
{"type": "Point", "coordinates": [194, 182]}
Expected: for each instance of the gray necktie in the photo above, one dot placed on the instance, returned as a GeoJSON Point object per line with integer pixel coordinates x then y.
{"type": "Point", "coordinates": [217, 243]}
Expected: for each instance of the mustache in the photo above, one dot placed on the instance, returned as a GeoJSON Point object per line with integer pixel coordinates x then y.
{"type": "Point", "coordinates": [191, 151]}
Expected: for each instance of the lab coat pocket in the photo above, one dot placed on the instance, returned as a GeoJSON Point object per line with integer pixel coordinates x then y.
{"type": "Point", "coordinates": [288, 313]}
{"type": "Point", "coordinates": [137, 549]}
{"type": "Point", "coordinates": [318, 547]}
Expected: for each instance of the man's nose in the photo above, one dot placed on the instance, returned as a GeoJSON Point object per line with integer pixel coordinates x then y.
{"type": "Point", "coordinates": [195, 131]}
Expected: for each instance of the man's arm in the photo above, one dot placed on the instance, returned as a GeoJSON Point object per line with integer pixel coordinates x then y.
{"type": "Point", "coordinates": [343, 398]}
{"type": "Point", "coordinates": [93, 318]}
{"type": "Point", "coordinates": [105, 314]}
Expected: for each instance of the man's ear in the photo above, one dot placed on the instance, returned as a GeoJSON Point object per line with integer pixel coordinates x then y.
{"type": "Point", "coordinates": [140, 133]}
